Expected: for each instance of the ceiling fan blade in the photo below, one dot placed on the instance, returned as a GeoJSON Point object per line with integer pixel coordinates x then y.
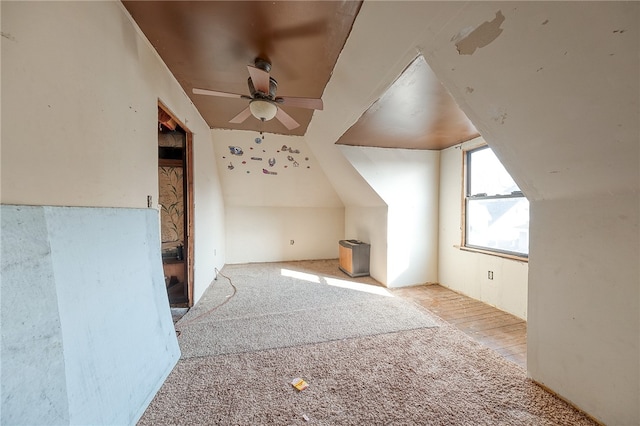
{"type": "Point", "coordinates": [286, 119]}
{"type": "Point", "coordinates": [260, 79]}
{"type": "Point", "coordinates": [216, 93]}
{"type": "Point", "coordinates": [244, 114]}
{"type": "Point", "coordinates": [308, 103]}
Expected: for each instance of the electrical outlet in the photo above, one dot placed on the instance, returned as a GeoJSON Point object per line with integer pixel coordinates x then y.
{"type": "Point", "coordinates": [490, 275]}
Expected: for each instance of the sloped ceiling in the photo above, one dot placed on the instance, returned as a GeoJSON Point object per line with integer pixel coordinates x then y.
{"type": "Point", "coordinates": [208, 45]}
{"type": "Point", "coordinates": [416, 112]}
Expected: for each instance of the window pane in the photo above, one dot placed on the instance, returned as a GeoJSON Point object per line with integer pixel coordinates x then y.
{"type": "Point", "coordinates": [501, 224]}
{"type": "Point", "coordinates": [488, 175]}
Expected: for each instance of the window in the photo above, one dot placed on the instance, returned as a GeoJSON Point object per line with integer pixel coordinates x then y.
{"type": "Point", "coordinates": [496, 211]}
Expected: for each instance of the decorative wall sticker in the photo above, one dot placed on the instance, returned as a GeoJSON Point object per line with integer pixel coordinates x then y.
{"type": "Point", "coordinates": [294, 151]}
{"type": "Point", "coordinates": [257, 158]}
{"type": "Point", "coordinates": [171, 204]}
{"type": "Point", "coordinates": [272, 162]}
{"type": "Point", "coordinates": [244, 162]}
{"type": "Point", "coordinates": [267, 172]}
{"type": "Point", "coordinates": [290, 158]}
{"type": "Point", "coordinates": [284, 148]}
{"type": "Point", "coordinates": [306, 158]}
{"type": "Point", "coordinates": [236, 150]}
{"type": "Point", "coordinates": [230, 166]}
{"type": "Point", "coordinates": [295, 164]}
{"type": "Point", "coordinates": [258, 140]}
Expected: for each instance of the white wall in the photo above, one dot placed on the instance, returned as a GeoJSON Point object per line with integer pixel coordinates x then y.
{"type": "Point", "coordinates": [264, 212]}
{"type": "Point", "coordinates": [585, 338]}
{"type": "Point", "coordinates": [562, 116]}
{"type": "Point", "coordinates": [80, 88]}
{"type": "Point", "coordinates": [407, 181]}
{"type": "Point", "coordinates": [264, 234]}
{"type": "Point", "coordinates": [369, 224]}
{"type": "Point", "coordinates": [356, 83]}
{"type": "Point", "coordinates": [555, 94]}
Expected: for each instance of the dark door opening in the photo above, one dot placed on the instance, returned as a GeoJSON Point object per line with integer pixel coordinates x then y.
{"type": "Point", "coordinates": [175, 199]}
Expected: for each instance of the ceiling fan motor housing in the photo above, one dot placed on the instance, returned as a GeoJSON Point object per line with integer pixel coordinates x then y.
{"type": "Point", "coordinates": [273, 87]}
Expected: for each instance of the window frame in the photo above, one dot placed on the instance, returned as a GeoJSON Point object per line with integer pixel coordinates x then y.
{"type": "Point", "coordinates": [466, 197]}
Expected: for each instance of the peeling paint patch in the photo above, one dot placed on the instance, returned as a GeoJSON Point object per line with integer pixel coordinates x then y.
{"type": "Point", "coordinates": [487, 32]}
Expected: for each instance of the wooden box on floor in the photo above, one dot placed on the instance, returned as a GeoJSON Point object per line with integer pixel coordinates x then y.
{"type": "Point", "coordinates": [354, 258]}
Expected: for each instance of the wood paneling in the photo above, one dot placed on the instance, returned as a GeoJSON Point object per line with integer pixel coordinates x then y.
{"type": "Point", "coordinates": [416, 112]}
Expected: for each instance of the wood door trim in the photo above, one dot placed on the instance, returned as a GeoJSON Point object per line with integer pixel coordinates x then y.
{"type": "Point", "coordinates": [189, 201]}
{"type": "Point", "coordinates": [189, 228]}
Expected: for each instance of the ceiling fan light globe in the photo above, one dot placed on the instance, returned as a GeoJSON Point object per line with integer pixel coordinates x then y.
{"type": "Point", "coordinates": [263, 110]}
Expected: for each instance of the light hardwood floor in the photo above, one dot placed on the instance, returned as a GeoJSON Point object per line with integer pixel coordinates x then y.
{"type": "Point", "coordinates": [498, 330]}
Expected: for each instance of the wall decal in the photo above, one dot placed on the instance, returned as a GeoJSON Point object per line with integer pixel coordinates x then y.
{"type": "Point", "coordinates": [267, 172]}
{"type": "Point", "coordinates": [272, 162]}
{"type": "Point", "coordinates": [236, 150]}
{"type": "Point", "coordinates": [230, 166]}
{"type": "Point", "coordinates": [295, 164]}
{"type": "Point", "coordinates": [258, 140]}
{"type": "Point", "coordinates": [257, 158]}
{"type": "Point", "coordinates": [290, 158]}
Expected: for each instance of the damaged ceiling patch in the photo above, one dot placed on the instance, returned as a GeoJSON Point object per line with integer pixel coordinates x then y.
{"type": "Point", "coordinates": [487, 32]}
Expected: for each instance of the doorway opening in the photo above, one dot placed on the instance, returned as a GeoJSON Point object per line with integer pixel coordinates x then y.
{"type": "Point", "coordinates": [175, 199]}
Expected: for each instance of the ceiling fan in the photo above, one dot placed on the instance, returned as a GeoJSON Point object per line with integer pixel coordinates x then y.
{"type": "Point", "coordinates": [263, 102]}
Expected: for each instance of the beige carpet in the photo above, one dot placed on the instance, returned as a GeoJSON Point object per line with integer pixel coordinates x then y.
{"type": "Point", "coordinates": [422, 376]}
{"type": "Point", "coordinates": [283, 305]}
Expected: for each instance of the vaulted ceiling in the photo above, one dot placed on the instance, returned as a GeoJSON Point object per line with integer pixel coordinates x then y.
{"type": "Point", "coordinates": [209, 44]}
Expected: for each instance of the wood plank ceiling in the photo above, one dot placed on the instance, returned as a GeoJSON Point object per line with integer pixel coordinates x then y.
{"type": "Point", "coordinates": [208, 45]}
{"type": "Point", "coordinates": [416, 112]}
